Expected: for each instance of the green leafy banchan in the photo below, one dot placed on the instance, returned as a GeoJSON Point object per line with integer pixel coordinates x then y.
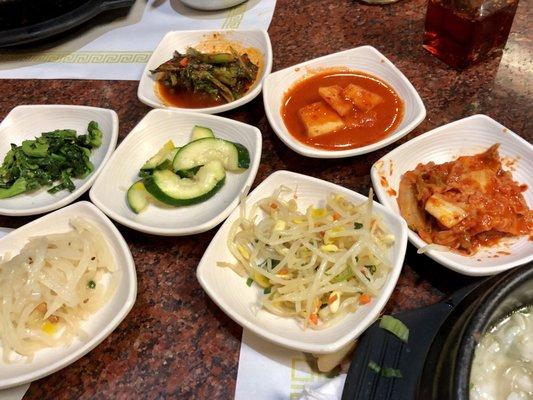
{"type": "Point", "coordinates": [52, 159]}
{"type": "Point", "coordinates": [221, 75]}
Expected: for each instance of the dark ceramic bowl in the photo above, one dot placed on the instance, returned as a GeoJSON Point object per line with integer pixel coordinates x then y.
{"type": "Point", "coordinates": [446, 372]}
{"type": "Point", "coordinates": [25, 21]}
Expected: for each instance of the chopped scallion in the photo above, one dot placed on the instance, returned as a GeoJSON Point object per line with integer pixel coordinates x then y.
{"type": "Point", "coordinates": [357, 225]}
{"type": "Point", "coordinates": [371, 268]}
{"type": "Point", "coordinates": [374, 367]}
{"type": "Point", "coordinates": [391, 373]}
{"type": "Point", "coordinates": [267, 290]}
{"type": "Point", "coordinates": [395, 326]}
{"type": "Point", "coordinates": [91, 284]}
{"type": "Point", "coordinates": [249, 281]}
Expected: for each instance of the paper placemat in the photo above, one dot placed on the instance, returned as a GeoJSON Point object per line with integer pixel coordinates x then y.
{"type": "Point", "coordinates": [118, 49]}
{"type": "Point", "coordinates": [271, 372]}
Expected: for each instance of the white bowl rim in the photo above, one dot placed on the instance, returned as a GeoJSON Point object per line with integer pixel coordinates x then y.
{"type": "Point", "coordinates": [249, 96]}
{"type": "Point", "coordinates": [88, 182]}
{"type": "Point", "coordinates": [128, 269]}
{"type": "Point", "coordinates": [440, 256]}
{"type": "Point", "coordinates": [371, 315]}
{"type": "Point", "coordinates": [300, 148]}
{"type": "Point", "coordinates": [205, 226]}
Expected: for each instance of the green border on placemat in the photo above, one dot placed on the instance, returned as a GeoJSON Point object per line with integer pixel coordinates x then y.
{"type": "Point", "coordinates": [79, 57]}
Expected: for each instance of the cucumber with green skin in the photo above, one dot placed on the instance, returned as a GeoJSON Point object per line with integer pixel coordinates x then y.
{"type": "Point", "coordinates": [169, 188]}
{"type": "Point", "coordinates": [233, 156]}
{"type": "Point", "coordinates": [138, 197]}
{"type": "Point", "coordinates": [201, 132]}
{"type": "Point", "coordinates": [159, 157]}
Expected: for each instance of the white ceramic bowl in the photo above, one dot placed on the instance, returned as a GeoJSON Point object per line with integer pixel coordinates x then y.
{"type": "Point", "coordinates": [366, 59]}
{"type": "Point", "coordinates": [210, 5]}
{"type": "Point", "coordinates": [26, 122]}
{"type": "Point", "coordinates": [180, 40]}
{"type": "Point", "coordinates": [467, 136]}
{"type": "Point", "coordinates": [102, 323]}
{"type": "Point", "coordinates": [154, 130]}
{"type": "Point", "coordinates": [230, 292]}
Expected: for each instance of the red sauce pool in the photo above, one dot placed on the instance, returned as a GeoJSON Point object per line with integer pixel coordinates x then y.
{"type": "Point", "coordinates": [186, 99]}
{"type": "Point", "coordinates": [365, 127]}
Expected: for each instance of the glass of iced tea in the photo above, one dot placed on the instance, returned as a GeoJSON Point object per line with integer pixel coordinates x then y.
{"type": "Point", "coordinates": [462, 32]}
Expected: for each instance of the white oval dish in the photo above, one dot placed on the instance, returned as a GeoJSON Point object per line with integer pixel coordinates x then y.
{"type": "Point", "coordinates": [102, 323]}
{"type": "Point", "coordinates": [366, 59]}
{"type": "Point", "coordinates": [146, 138]}
{"type": "Point", "coordinates": [211, 5]}
{"type": "Point", "coordinates": [467, 136]}
{"type": "Point", "coordinates": [180, 40]}
{"type": "Point", "coordinates": [29, 121]}
{"type": "Point", "coordinates": [230, 292]}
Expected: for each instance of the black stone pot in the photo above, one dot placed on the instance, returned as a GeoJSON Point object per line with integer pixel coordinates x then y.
{"type": "Point", "coordinates": [436, 361]}
{"type": "Point", "coordinates": [25, 21]}
{"type": "Point", "coordinates": [446, 372]}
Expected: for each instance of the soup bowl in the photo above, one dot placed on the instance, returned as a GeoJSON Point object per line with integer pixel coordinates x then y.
{"type": "Point", "coordinates": [448, 364]}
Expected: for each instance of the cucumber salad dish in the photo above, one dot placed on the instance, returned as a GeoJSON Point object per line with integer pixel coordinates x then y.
{"type": "Point", "coordinates": [182, 176]}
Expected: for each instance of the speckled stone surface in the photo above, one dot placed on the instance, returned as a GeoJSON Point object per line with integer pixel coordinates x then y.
{"type": "Point", "coordinates": [176, 343]}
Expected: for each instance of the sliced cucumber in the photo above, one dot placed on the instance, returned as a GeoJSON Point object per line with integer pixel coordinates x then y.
{"type": "Point", "coordinates": [201, 132]}
{"type": "Point", "coordinates": [160, 157]}
{"type": "Point", "coordinates": [167, 162]}
{"type": "Point", "coordinates": [233, 156]}
{"type": "Point", "coordinates": [138, 197]}
{"type": "Point", "coordinates": [169, 188]}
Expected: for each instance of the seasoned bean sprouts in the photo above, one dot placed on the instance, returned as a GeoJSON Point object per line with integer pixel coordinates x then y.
{"type": "Point", "coordinates": [315, 265]}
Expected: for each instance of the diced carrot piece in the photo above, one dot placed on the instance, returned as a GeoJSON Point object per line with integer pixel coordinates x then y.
{"type": "Point", "coordinates": [364, 299]}
{"type": "Point", "coordinates": [184, 62]}
{"type": "Point", "coordinates": [314, 319]}
{"type": "Point", "coordinates": [331, 299]}
{"type": "Point", "coordinates": [336, 216]}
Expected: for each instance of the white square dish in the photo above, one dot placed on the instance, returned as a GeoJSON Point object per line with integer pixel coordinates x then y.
{"type": "Point", "coordinates": [230, 292]}
{"type": "Point", "coordinates": [98, 326]}
{"type": "Point", "coordinates": [180, 40]}
{"type": "Point", "coordinates": [467, 136]}
{"type": "Point", "coordinates": [366, 59]}
{"type": "Point", "coordinates": [29, 121]}
{"type": "Point", "coordinates": [146, 138]}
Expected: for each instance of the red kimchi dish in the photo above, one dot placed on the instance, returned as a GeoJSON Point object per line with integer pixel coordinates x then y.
{"type": "Point", "coordinates": [466, 203]}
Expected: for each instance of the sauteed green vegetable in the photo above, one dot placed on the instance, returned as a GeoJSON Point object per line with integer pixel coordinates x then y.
{"type": "Point", "coordinates": [52, 159]}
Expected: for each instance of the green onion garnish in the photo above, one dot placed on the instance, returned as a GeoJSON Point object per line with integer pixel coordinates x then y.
{"type": "Point", "coordinates": [374, 367]}
{"type": "Point", "coordinates": [267, 290]}
{"type": "Point", "coordinates": [343, 276]}
{"type": "Point", "coordinates": [91, 284]}
{"type": "Point", "coordinates": [391, 373]}
{"type": "Point", "coordinates": [357, 225]}
{"type": "Point", "coordinates": [371, 268]}
{"type": "Point", "coordinates": [395, 326]}
{"type": "Point", "coordinates": [385, 372]}
{"type": "Point", "coordinates": [275, 263]}
{"type": "Point", "coordinates": [249, 281]}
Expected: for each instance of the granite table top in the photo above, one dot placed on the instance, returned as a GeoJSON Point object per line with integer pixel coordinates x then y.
{"type": "Point", "coordinates": [176, 343]}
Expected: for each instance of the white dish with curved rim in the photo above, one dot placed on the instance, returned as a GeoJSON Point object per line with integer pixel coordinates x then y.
{"type": "Point", "coordinates": [468, 136]}
{"type": "Point", "coordinates": [230, 292]}
{"type": "Point", "coordinates": [366, 59]}
{"type": "Point", "coordinates": [27, 122]}
{"type": "Point", "coordinates": [146, 138]}
{"type": "Point", "coordinates": [180, 40]}
{"type": "Point", "coordinates": [98, 326]}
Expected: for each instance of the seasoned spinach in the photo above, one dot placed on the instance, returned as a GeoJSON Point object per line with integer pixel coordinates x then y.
{"type": "Point", "coordinates": [52, 159]}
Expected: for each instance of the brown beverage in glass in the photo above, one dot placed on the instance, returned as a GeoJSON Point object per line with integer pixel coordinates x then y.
{"type": "Point", "coordinates": [462, 32]}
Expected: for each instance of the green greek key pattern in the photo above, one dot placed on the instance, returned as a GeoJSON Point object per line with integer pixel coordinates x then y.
{"type": "Point", "coordinates": [82, 57]}
{"type": "Point", "coordinates": [235, 16]}
{"type": "Point", "coordinates": [302, 374]}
